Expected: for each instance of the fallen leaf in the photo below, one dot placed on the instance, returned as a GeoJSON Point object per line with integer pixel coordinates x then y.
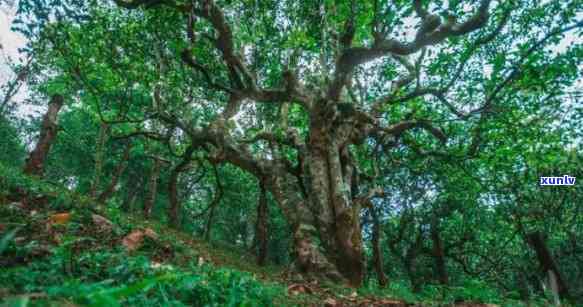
{"type": "Point", "coordinates": [102, 223]}
{"type": "Point", "coordinates": [135, 239]}
{"type": "Point", "coordinates": [148, 232]}
{"type": "Point", "coordinates": [330, 302]}
{"type": "Point", "coordinates": [60, 218]}
{"type": "Point", "coordinates": [296, 289]}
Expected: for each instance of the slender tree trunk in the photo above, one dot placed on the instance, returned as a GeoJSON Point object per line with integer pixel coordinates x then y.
{"type": "Point", "coordinates": [438, 254]}
{"type": "Point", "coordinates": [376, 249]}
{"type": "Point", "coordinates": [261, 228]}
{"type": "Point", "coordinates": [131, 195]}
{"type": "Point", "coordinates": [209, 223]}
{"type": "Point", "coordinates": [99, 152]}
{"type": "Point", "coordinates": [13, 86]}
{"type": "Point", "coordinates": [547, 261]}
{"type": "Point", "coordinates": [152, 189]}
{"type": "Point", "coordinates": [35, 163]}
{"type": "Point", "coordinates": [174, 208]}
{"type": "Point", "coordinates": [213, 205]}
{"type": "Point", "coordinates": [108, 192]}
{"type": "Point", "coordinates": [522, 286]}
{"type": "Point", "coordinates": [410, 262]}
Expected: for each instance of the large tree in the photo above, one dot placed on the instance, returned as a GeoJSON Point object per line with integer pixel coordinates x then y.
{"type": "Point", "coordinates": [308, 95]}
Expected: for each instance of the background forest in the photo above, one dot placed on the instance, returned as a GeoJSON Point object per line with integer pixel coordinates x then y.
{"type": "Point", "coordinates": [280, 152]}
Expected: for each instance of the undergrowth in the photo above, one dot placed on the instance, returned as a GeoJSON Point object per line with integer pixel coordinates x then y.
{"type": "Point", "coordinates": [88, 268]}
{"type": "Point", "coordinates": [111, 278]}
{"type": "Point", "coordinates": [77, 264]}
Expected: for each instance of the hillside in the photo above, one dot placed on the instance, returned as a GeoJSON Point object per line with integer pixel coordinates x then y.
{"type": "Point", "coordinates": [47, 261]}
{"type": "Point", "coordinates": [94, 256]}
{"type": "Point", "coordinates": [291, 153]}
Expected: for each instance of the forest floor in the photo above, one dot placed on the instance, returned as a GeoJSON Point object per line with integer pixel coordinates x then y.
{"type": "Point", "coordinates": [80, 258]}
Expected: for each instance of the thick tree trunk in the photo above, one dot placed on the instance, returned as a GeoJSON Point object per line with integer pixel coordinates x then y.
{"type": "Point", "coordinates": [332, 200]}
{"type": "Point", "coordinates": [546, 260]}
{"type": "Point", "coordinates": [439, 254]}
{"type": "Point", "coordinates": [152, 189]}
{"type": "Point", "coordinates": [307, 252]}
{"type": "Point", "coordinates": [35, 163]}
{"type": "Point", "coordinates": [108, 192]}
{"type": "Point", "coordinates": [317, 197]}
{"type": "Point", "coordinates": [321, 209]}
{"type": "Point", "coordinates": [377, 253]}
{"type": "Point", "coordinates": [261, 227]}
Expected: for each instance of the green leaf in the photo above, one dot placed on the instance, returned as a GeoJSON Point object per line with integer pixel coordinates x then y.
{"type": "Point", "coordinates": [7, 238]}
{"type": "Point", "coordinates": [21, 301]}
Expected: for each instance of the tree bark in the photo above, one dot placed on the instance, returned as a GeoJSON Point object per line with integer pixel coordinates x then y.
{"type": "Point", "coordinates": [261, 228]}
{"type": "Point", "coordinates": [132, 193]}
{"type": "Point", "coordinates": [376, 249]}
{"type": "Point", "coordinates": [320, 204]}
{"type": "Point", "coordinates": [330, 198]}
{"type": "Point", "coordinates": [152, 189]}
{"type": "Point", "coordinates": [174, 208]}
{"type": "Point", "coordinates": [122, 165]}
{"type": "Point", "coordinates": [410, 262]}
{"type": "Point", "coordinates": [547, 261]}
{"type": "Point", "coordinates": [35, 163]}
{"type": "Point", "coordinates": [213, 205]}
{"type": "Point", "coordinates": [439, 254]}
{"type": "Point", "coordinates": [99, 151]}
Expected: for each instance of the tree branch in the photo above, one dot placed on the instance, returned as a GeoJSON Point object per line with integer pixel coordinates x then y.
{"type": "Point", "coordinates": [398, 129]}
{"type": "Point", "coordinates": [431, 32]}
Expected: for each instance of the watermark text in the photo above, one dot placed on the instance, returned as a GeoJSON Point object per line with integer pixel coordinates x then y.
{"type": "Point", "coordinates": [565, 180]}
